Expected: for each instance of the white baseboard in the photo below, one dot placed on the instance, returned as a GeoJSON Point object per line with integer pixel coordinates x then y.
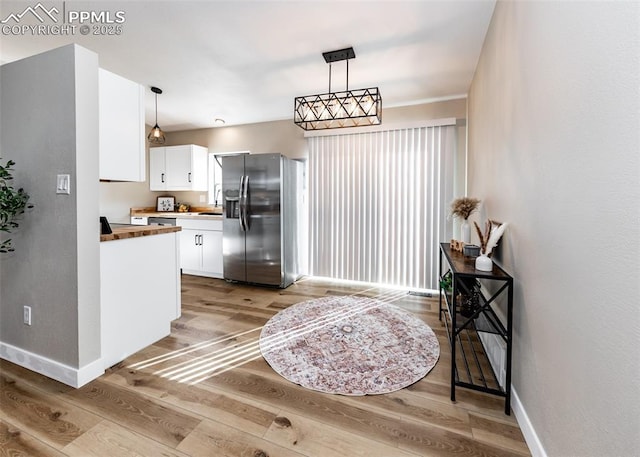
{"type": "Point", "coordinates": [74, 377]}
{"type": "Point", "coordinates": [530, 435]}
{"type": "Point", "coordinates": [496, 350]}
{"type": "Point", "coordinates": [202, 273]}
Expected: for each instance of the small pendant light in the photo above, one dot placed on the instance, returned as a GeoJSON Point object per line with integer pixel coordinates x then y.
{"type": "Point", "coordinates": [156, 136]}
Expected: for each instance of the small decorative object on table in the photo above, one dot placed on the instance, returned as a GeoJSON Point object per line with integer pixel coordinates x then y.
{"type": "Point", "coordinates": [457, 245]}
{"type": "Point", "coordinates": [166, 203]}
{"type": "Point", "coordinates": [471, 250]}
{"type": "Point", "coordinates": [462, 208]}
{"type": "Point", "coordinates": [183, 207]}
{"type": "Point", "coordinates": [488, 240]}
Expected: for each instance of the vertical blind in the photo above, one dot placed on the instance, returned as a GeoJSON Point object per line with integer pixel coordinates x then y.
{"type": "Point", "coordinates": [378, 204]}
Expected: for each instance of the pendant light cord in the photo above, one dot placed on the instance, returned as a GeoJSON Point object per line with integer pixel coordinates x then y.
{"type": "Point", "coordinates": [347, 75]}
{"type": "Point", "coordinates": [329, 81]}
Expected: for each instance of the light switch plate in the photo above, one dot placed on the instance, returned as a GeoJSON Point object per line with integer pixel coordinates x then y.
{"type": "Point", "coordinates": [26, 315]}
{"type": "Point", "coordinates": [63, 185]}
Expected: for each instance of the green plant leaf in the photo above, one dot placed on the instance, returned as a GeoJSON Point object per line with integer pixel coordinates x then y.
{"type": "Point", "coordinates": [12, 204]}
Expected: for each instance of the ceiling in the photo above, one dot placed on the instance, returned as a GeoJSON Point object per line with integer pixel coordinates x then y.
{"type": "Point", "coordinates": [246, 61]}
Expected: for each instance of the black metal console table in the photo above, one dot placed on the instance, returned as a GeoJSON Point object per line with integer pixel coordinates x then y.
{"type": "Point", "coordinates": [466, 312]}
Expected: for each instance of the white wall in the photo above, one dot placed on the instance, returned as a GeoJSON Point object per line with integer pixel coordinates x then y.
{"type": "Point", "coordinates": [49, 126]}
{"type": "Point", "coordinates": [554, 149]}
{"type": "Point", "coordinates": [116, 198]}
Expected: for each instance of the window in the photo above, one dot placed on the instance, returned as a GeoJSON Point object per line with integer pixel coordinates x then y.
{"type": "Point", "coordinates": [215, 180]}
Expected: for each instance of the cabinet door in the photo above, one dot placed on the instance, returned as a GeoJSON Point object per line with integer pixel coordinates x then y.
{"type": "Point", "coordinates": [190, 250]}
{"type": "Point", "coordinates": [121, 128]}
{"type": "Point", "coordinates": [199, 168]}
{"type": "Point", "coordinates": [178, 167]}
{"type": "Point", "coordinates": [157, 173]}
{"type": "Point", "coordinates": [212, 252]}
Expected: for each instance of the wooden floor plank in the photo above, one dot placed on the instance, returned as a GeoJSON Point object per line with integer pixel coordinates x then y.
{"type": "Point", "coordinates": [138, 413]}
{"type": "Point", "coordinates": [467, 399]}
{"type": "Point", "coordinates": [494, 431]}
{"type": "Point", "coordinates": [215, 439]}
{"type": "Point", "coordinates": [241, 413]}
{"type": "Point", "coordinates": [109, 439]}
{"type": "Point", "coordinates": [15, 442]}
{"type": "Point", "coordinates": [436, 442]}
{"type": "Point", "coordinates": [50, 420]}
{"type": "Point", "coordinates": [312, 438]}
{"type": "Point", "coordinates": [417, 408]}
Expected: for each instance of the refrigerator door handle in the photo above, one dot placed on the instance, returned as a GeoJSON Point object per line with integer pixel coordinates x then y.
{"type": "Point", "coordinates": [245, 197]}
{"type": "Point", "coordinates": [241, 205]}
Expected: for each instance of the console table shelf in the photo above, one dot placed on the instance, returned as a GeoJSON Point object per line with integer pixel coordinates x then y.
{"type": "Point", "coordinates": [470, 366]}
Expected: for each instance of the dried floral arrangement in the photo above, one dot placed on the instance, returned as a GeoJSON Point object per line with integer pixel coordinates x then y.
{"type": "Point", "coordinates": [492, 233]}
{"type": "Point", "coordinates": [463, 207]}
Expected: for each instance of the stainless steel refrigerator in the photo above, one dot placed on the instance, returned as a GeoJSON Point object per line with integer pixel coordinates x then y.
{"type": "Point", "coordinates": [260, 218]}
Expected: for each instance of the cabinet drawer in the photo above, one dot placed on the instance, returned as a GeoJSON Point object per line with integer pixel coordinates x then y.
{"type": "Point", "coordinates": [200, 224]}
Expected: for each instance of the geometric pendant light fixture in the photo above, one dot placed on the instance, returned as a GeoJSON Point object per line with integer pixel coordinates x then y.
{"type": "Point", "coordinates": [347, 108]}
{"type": "Point", "coordinates": [156, 136]}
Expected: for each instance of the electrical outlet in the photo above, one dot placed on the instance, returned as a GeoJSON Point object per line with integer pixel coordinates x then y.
{"type": "Point", "coordinates": [203, 198]}
{"type": "Point", "coordinates": [26, 315]}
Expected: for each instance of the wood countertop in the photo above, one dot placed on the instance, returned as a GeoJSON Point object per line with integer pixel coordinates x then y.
{"type": "Point", "coordinates": [134, 231]}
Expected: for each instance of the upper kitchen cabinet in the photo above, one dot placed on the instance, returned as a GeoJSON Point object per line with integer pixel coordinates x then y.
{"type": "Point", "coordinates": [178, 168]}
{"type": "Point", "coordinates": [122, 132]}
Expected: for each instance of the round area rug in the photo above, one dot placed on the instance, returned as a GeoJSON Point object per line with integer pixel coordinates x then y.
{"type": "Point", "coordinates": [349, 346]}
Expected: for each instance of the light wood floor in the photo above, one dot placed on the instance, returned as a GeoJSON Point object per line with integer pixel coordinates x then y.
{"type": "Point", "coordinates": [148, 405]}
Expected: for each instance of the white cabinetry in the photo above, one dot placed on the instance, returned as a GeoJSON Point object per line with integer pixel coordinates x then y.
{"type": "Point", "coordinates": [121, 127]}
{"type": "Point", "coordinates": [157, 169]}
{"type": "Point", "coordinates": [178, 168]}
{"type": "Point", "coordinates": [201, 247]}
{"type": "Point", "coordinates": [139, 293]}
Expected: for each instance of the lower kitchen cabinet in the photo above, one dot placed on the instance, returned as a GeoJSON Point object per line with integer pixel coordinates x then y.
{"type": "Point", "coordinates": [139, 293]}
{"type": "Point", "coordinates": [201, 247]}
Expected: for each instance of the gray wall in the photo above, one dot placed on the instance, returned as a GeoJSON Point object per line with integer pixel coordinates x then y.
{"type": "Point", "coordinates": [554, 147]}
{"type": "Point", "coordinates": [49, 126]}
{"type": "Point", "coordinates": [278, 136]}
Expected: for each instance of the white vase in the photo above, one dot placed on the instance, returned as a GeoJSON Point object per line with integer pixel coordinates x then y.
{"type": "Point", "coordinates": [484, 263]}
{"type": "Point", "coordinates": [465, 232]}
